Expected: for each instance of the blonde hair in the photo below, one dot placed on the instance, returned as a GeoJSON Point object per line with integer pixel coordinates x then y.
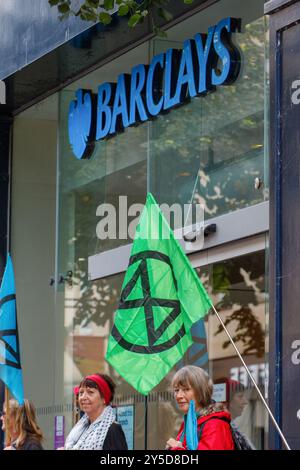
{"type": "Point", "coordinates": [199, 380]}
{"type": "Point", "coordinates": [13, 407]}
{"type": "Point", "coordinates": [11, 411]}
{"type": "Point", "coordinates": [26, 424]}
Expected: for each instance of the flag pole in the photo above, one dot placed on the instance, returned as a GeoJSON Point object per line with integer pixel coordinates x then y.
{"type": "Point", "coordinates": [146, 422]}
{"type": "Point", "coordinates": [253, 381]}
{"type": "Point", "coordinates": [7, 415]}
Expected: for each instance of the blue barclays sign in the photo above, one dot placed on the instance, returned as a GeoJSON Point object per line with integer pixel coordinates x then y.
{"type": "Point", "coordinates": [205, 62]}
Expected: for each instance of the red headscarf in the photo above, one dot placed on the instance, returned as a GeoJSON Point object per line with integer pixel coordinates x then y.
{"type": "Point", "coordinates": [102, 385]}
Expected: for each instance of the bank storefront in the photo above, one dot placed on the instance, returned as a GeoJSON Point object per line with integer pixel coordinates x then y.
{"type": "Point", "coordinates": [211, 150]}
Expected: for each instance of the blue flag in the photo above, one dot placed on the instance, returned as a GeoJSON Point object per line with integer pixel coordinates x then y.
{"type": "Point", "coordinates": [190, 427]}
{"type": "Point", "coordinates": [10, 365]}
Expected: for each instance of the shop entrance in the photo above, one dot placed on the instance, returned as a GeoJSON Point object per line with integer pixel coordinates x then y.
{"type": "Point", "coordinates": [235, 277]}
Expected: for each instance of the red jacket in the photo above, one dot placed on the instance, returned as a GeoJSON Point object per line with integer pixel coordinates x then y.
{"type": "Point", "coordinates": [216, 433]}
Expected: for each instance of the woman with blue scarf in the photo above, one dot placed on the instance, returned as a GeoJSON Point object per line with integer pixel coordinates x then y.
{"type": "Point", "coordinates": [206, 424]}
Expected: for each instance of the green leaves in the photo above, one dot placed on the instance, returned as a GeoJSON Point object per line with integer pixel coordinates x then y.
{"type": "Point", "coordinates": [123, 10]}
{"type": "Point", "coordinates": [134, 20]}
{"type": "Point", "coordinates": [105, 18]}
{"type": "Point", "coordinates": [63, 8]}
{"type": "Point", "coordinates": [108, 4]}
{"type": "Point", "coordinates": [100, 10]}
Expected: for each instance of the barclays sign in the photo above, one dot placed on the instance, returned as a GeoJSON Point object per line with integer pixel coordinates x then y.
{"type": "Point", "coordinates": [205, 62]}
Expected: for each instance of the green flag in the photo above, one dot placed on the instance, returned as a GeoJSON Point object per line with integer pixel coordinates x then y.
{"type": "Point", "coordinates": [161, 298]}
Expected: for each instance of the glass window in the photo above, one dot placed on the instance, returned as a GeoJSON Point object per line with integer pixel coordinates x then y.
{"type": "Point", "coordinates": [237, 288]}
{"type": "Point", "coordinates": [208, 151]}
{"type": "Point", "coordinates": [118, 167]}
{"type": "Point", "coordinates": [211, 150]}
{"type": "Point", "coordinates": [239, 294]}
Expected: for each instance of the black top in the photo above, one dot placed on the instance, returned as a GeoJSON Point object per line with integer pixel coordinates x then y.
{"type": "Point", "coordinates": [115, 438]}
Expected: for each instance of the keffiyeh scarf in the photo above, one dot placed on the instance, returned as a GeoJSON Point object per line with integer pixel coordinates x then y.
{"type": "Point", "coordinates": [90, 436]}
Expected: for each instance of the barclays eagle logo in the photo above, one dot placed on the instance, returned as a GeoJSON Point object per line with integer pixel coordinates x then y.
{"type": "Point", "coordinates": [81, 127]}
{"type": "Point", "coordinates": [170, 80]}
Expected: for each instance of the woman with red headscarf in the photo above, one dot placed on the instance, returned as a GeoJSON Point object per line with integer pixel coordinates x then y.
{"type": "Point", "coordinates": [97, 429]}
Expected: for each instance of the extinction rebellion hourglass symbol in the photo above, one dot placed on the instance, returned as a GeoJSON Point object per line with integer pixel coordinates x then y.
{"type": "Point", "coordinates": [148, 303]}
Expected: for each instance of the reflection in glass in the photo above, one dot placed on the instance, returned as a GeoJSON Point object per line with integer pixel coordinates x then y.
{"type": "Point", "coordinates": [237, 287]}
{"type": "Point", "coordinates": [211, 150]}
{"type": "Point", "coordinates": [86, 308]}
{"type": "Point", "coordinates": [208, 151]}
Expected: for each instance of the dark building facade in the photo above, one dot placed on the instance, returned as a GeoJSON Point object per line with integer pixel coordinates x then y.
{"type": "Point", "coordinates": [232, 149]}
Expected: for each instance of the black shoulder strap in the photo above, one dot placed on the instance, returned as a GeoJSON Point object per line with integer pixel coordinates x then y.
{"type": "Point", "coordinates": [200, 431]}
